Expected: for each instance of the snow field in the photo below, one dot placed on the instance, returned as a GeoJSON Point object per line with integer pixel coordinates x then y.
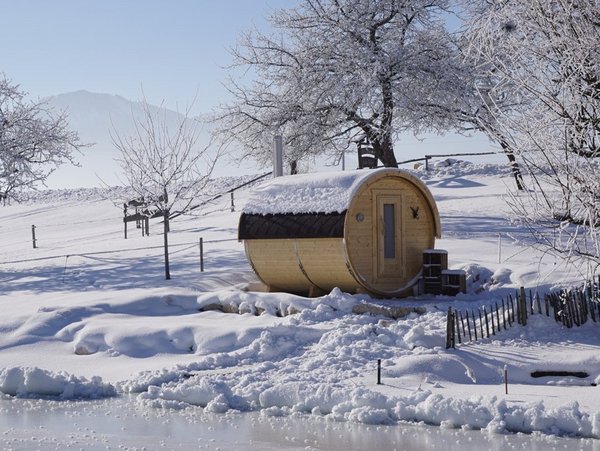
{"type": "Point", "coordinates": [328, 378]}
{"type": "Point", "coordinates": [88, 315]}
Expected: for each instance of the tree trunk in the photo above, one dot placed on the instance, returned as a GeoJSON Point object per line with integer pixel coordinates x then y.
{"type": "Point", "coordinates": [166, 243]}
{"type": "Point", "coordinates": [516, 170]}
{"type": "Point", "coordinates": [384, 151]}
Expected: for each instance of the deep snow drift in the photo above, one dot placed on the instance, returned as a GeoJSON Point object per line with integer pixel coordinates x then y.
{"type": "Point", "coordinates": [88, 315]}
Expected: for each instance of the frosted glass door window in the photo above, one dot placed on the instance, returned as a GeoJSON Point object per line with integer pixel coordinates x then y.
{"type": "Point", "coordinates": [389, 231]}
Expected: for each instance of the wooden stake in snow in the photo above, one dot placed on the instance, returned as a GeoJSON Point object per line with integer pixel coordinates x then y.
{"type": "Point", "coordinates": [201, 243]}
{"type": "Point", "coordinates": [499, 248]}
{"type": "Point", "coordinates": [450, 337]}
{"type": "Point", "coordinates": [505, 380]}
{"type": "Point", "coordinates": [33, 236]}
{"type": "Point", "coordinates": [378, 371]}
{"type": "Point", "coordinates": [523, 306]}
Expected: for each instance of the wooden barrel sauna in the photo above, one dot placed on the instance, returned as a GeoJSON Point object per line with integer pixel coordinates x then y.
{"type": "Point", "coordinates": [362, 231]}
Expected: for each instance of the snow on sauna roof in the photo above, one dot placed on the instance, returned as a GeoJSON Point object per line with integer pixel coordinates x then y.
{"type": "Point", "coordinates": [319, 192]}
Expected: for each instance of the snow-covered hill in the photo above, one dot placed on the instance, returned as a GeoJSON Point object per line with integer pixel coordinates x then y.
{"type": "Point", "coordinates": [95, 117]}
{"type": "Point", "coordinates": [88, 313]}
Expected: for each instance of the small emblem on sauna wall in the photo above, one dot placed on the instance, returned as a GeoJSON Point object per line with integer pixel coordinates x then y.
{"type": "Point", "coordinates": [415, 212]}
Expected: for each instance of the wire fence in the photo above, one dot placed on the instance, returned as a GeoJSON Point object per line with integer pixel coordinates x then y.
{"type": "Point", "coordinates": [194, 211]}
{"type": "Point", "coordinates": [426, 158]}
{"type": "Point", "coordinates": [178, 247]}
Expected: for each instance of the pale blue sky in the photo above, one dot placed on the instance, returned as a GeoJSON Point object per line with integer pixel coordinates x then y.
{"type": "Point", "coordinates": [172, 48]}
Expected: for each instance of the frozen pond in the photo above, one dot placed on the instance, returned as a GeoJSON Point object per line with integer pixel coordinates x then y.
{"type": "Point", "coordinates": [120, 423]}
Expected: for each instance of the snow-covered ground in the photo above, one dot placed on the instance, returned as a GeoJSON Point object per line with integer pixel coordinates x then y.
{"type": "Point", "coordinates": [88, 314]}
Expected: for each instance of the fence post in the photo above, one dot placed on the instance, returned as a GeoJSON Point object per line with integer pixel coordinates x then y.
{"type": "Point", "coordinates": [449, 328]}
{"type": "Point", "coordinates": [574, 318]}
{"type": "Point", "coordinates": [474, 323]}
{"type": "Point", "coordinates": [554, 305]}
{"type": "Point", "coordinates": [566, 311]}
{"type": "Point", "coordinates": [125, 220]}
{"type": "Point", "coordinates": [33, 237]}
{"type": "Point", "coordinates": [512, 309]}
{"type": "Point", "coordinates": [468, 325]}
{"type": "Point", "coordinates": [584, 306]}
{"type": "Point", "coordinates": [65, 268]}
{"type": "Point", "coordinates": [448, 344]}
{"type": "Point", "coordinates": [499, 248]}
{"type": "Point", "coordinates": [378, 371]}
{"type": "Point", "coordinates": [455, 320]}
{"type": "Point", "coordinates": [487, 325]}
{"type": "Point", "coordinates": [201, 243]}
{"type": "Point", "coordinates": [481, 324]}
{"type": "Point", "coordinates": [232, 203]}
{"type": "Point", "coordinates": [498, 317]}
{"type": "Point", "coordinates": [523, 306]}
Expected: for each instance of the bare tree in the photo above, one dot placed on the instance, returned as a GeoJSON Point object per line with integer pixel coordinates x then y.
{"type": "Point", "coordinates": [547, 52]}
{"type": "Point", "coordinates": [164, 165]}
{"type": "Point", "coordinates": [488, 98]}
{"type": "Point", "coordinates": [338, 70]}
{"type": "Point", "coordinates": [34, 141]}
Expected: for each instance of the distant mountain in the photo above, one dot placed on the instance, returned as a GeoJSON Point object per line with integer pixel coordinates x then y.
{"type": "Point", "coordinates": [95, 117]}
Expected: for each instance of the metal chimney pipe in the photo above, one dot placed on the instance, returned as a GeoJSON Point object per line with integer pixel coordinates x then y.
{"type": "Point", "coordinates": [278, 156]}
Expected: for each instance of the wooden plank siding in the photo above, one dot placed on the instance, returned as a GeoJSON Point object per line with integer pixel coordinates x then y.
{"type": "Point", "coordinates": [301, 264]}
{"type": "Point", "coordinates": [324, 261]}
{"type": "Point", "coordinates": [276, 265]}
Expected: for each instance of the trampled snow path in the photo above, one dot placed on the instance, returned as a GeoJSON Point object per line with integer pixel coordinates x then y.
{"type": "Point", "coordinates": [89, 303]}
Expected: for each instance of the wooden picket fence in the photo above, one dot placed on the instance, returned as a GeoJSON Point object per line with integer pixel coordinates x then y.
{"type": "Point", "coordinates": [572, 307]}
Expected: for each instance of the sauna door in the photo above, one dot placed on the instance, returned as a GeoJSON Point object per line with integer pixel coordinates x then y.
{"type": "Point", "coordinates": [388, 237]}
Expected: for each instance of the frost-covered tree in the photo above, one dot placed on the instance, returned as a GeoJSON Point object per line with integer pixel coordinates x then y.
{"type": "Point", "coordinates": [164, 164]}
{"type": "Point", "coordinates": [335, 71]}
{"type": "Point", "coordinates": [547, 52]}
{"type": "Point", "coordinates": [34, 141]}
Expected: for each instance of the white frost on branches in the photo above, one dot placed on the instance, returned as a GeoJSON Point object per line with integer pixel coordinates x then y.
{"type": "Point", "coordinates": [548, 53]}
{"type": "Point", "coordinates": [162, 160]}
{"type": "Point", "coordinates": [337, 70]}
{"type": "Point", "coordinates": [34, 141]}
{"type": "Point", "coordinates": [164, 165]}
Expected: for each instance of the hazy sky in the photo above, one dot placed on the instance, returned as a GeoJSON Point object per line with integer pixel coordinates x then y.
{"type": "Point", "coordinates": [172, 48]}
